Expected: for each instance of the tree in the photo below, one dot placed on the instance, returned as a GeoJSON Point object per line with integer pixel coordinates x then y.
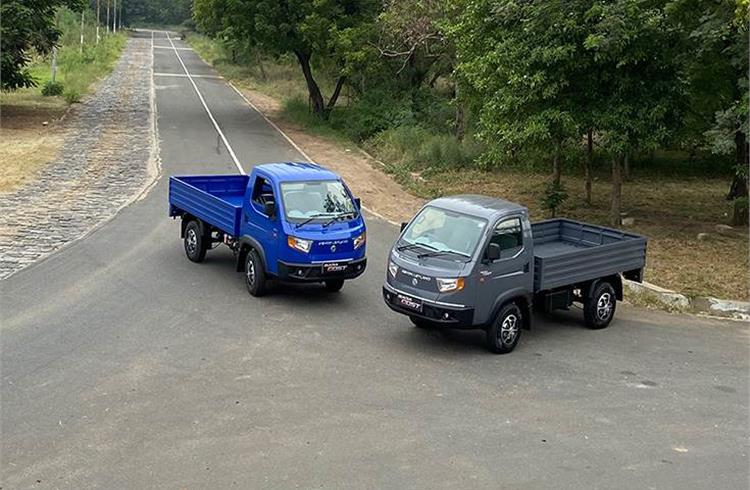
{"type": "Point", "coordinates": [309, 29]}
{"type": "Point", "coordinates": [716, 67]}
{"type": "Point", "coordinates": [26, 25]}
{"type": "Point", "coordinates": [524, 65]}
{"type": "Point", "coordinates": [639, 94]}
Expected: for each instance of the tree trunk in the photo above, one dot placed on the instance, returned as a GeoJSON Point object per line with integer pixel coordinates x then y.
{"type": "Point", "coordinates": [556, 163]}
{"type": "Point", "coordinates": [259, 59]}
{"type": "Point", "coordinates": [626, 166]}
{"type": "Point", "coordinates": [589, 164]}
{"type": "Point", "coordinates": [460, 116]}
{"type": "Point", "coordinates": [738, 188]}
{"type": "Point", "coordinates": [616, 203]}
{"type": "Point", "coordinates": [316, 98]}
{"type": "Point", "coordinates": [336, 93]}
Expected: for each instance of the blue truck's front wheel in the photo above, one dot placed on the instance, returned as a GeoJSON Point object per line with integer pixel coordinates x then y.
{"type": "Point", "coordinates": [255, 274]}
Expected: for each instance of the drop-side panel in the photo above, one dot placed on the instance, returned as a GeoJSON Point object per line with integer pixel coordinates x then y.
{"type": "Point", "coordinates": [211, 198]}
{"type": "Point", "coordinates": [568, 252]}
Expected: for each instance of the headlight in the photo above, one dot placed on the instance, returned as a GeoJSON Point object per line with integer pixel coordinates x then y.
{"type": "Point", "coordinates": [299, 244]}
{"type": "Point", "coordinates": [446, 285]}
{"type": "Point", "coordinates": [360, 240]}
{"type": "Point", "coordinates": [392, 269]}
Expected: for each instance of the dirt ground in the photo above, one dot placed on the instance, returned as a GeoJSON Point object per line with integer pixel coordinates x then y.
{"type": "Point", "coordinates": [30, 136]}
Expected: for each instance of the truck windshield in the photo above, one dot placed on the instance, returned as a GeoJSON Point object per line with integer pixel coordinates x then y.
{"type": "Point", "coordinates": [318, 200]}
{"type": "Point", "coordinates": [440, 230]}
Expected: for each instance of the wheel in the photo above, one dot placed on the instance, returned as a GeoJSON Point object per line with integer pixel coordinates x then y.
{"type": "Point", "coordinates": [255, 275]}
{"type": "Point", "coordinates": [195, 246]}
{"type": "Point", "coordinates": [421, 322]}
{"type": "Point", "coordinates": [334, 285]}
{"type": "Point", "coordinates": [503, 334]}
{"type": "Point", "coordinates": [599, 308]}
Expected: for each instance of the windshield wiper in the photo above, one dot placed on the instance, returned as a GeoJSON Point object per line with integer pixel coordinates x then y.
{"type": "Point", "coordinates": [443, 252]}
{"type": "Point", "coordinates": [410, 246]}
{"type": "Point", "coordinates": [314, 216]}
{"type": "Point", "coordinates": [338, 216]}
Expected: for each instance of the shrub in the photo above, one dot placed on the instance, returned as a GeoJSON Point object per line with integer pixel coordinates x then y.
{"type": "Point", "coordinates": [52, 88]}
{"type": "Point", "coordinates": [72, 96]}
{"type": "Point", "coordinates": [554, 195]}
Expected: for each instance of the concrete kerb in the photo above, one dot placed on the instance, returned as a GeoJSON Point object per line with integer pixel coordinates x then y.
{"type": "Point", "coordinates": [651, 294]}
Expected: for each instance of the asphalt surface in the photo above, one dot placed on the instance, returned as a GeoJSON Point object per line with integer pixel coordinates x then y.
{"type": "Point", "coordinates": [124, 365]}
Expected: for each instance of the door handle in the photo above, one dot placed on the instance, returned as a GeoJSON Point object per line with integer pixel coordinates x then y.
{"type": "Point", "coordinates": [526, 267]}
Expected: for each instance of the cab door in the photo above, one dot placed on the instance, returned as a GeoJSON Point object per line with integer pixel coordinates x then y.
{"type": "Point", "coordinates": [259, 224]}
{"type": "Point", "coordinates": [512, 271]}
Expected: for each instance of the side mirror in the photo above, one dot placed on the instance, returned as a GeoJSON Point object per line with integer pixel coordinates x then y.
{"type": "Point", "coordinates": [358, 202]}
{"type": "Point", "coordinates": [403, 225]}
{"type": "Point", "coordinates": [493, 252]}
{"type": "Point", "coordinates": [269, 208]}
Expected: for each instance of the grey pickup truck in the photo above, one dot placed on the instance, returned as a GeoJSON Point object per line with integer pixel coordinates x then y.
{"type": "Point", "coordinates": [477, 262]}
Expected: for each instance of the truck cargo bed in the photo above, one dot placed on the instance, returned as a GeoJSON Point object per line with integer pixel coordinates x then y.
{"type": "Point", "coordinates": [570, 252]}
{"type": "Point", "coordinates": [215, 199]}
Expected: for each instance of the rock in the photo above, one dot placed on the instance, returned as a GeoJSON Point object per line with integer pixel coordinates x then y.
{"type": "Point", "coordinates": [724, 230]}
{"type": "Point", "coordinates": [45, 123]}
{"type": "Point", "coordinates": [628, 221]}
{"type": "Point", "coordinates": [703, 236]}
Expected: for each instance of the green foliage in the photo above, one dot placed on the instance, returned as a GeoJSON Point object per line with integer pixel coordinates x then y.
{"type": "Point", "coordinates": [553, 197]}
{"type": "Point", "coordinates": [52, 88]}
{"type": "Point", "coordinates": [156, 12]}
{"type": "Point", "coordinates": [415, 148]}
{"type": "Point", "coordinates": [26, 25]}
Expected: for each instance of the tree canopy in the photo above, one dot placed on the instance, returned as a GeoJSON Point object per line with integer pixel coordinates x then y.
{"type": "Point", "coordinates": [26, 25]}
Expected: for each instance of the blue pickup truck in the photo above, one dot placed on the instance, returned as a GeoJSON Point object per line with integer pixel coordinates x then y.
{"type": "Point", "coordinates": [294, 222]}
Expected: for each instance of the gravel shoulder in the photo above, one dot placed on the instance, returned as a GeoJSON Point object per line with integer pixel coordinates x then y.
{"type": "Point", "coordinates": [108, 157]}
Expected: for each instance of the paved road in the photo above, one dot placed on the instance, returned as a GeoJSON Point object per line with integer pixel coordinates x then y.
{"type": "Point", "coordinates": [126, 366]}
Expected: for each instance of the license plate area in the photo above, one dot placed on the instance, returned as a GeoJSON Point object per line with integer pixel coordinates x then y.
{"type": "Point", "coordinates": [408, 302]}
{"type": "Point", "coordinates": [333, 267]}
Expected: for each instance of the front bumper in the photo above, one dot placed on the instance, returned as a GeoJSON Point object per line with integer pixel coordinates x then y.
{"type": "Point", "coordinates": [455, 316]}
{"type": "Point", "coordinates": [315, 272]}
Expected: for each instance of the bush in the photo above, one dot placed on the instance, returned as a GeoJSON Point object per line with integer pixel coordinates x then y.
{"type": "Point", "coordinates": [554, 195]}
{"type": "Point", "coordinates": [72, 96]}
{"type": "Point", "coordinates": [51, 89]}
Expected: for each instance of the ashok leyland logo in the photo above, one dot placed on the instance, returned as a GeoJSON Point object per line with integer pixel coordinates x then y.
{"type": "Point", "coordinates": [333, 248]}
{"type": "Point", "coordinates": [414, 281]}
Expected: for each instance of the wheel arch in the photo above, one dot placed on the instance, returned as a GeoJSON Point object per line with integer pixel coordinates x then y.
{"type": "Point", "coordinates": [615, 280]}
{"type": "Point", "coordinates": [246, 243]}
{"type": "Point", "coordinates": [522, 299]}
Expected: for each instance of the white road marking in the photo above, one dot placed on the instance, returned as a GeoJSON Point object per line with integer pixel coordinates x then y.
{"type": "Point", "coordinates": [208, 111]}
{"type": "Point", "coordinates": [182, 75]}
{"type": "Point", "coordinates": [168, 47]}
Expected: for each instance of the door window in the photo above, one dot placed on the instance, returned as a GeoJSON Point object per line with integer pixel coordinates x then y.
{"type": "Point", "coordinates": [262, 194]}
{"type": "Point", "coordinates": [508, 234]}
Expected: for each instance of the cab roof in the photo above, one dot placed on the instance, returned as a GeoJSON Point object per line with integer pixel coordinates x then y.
{"type": "Point", "coordinates": [481, 206]}
{"type": "Point", "coordinates": [296, 171]}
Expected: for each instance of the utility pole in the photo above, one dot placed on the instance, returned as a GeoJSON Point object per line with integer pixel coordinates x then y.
{"type": "Point", "coordinates": [97, 22]}
{"type": "Point", "coordinates": [83, 12]}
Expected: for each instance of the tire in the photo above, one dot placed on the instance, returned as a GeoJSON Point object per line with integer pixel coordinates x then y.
{"type": "Point", "coordinates": [255, 275]}
{"type": "Point", "coordinates": [599, 308]}
{"type": "Point", "coordinates": [334, 285]}
{"type": "Point", "coordinates": [422, 323]}
{"type": "Point", "coordinates": [195, 242]}
{"type": "Point", "coordinates": [505, 331]}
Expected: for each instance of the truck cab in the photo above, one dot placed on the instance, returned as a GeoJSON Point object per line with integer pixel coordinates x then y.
{"type": "Point", "coordinates": [294, 222]}
{"type": "Point", "coordinates": [478, 262]}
